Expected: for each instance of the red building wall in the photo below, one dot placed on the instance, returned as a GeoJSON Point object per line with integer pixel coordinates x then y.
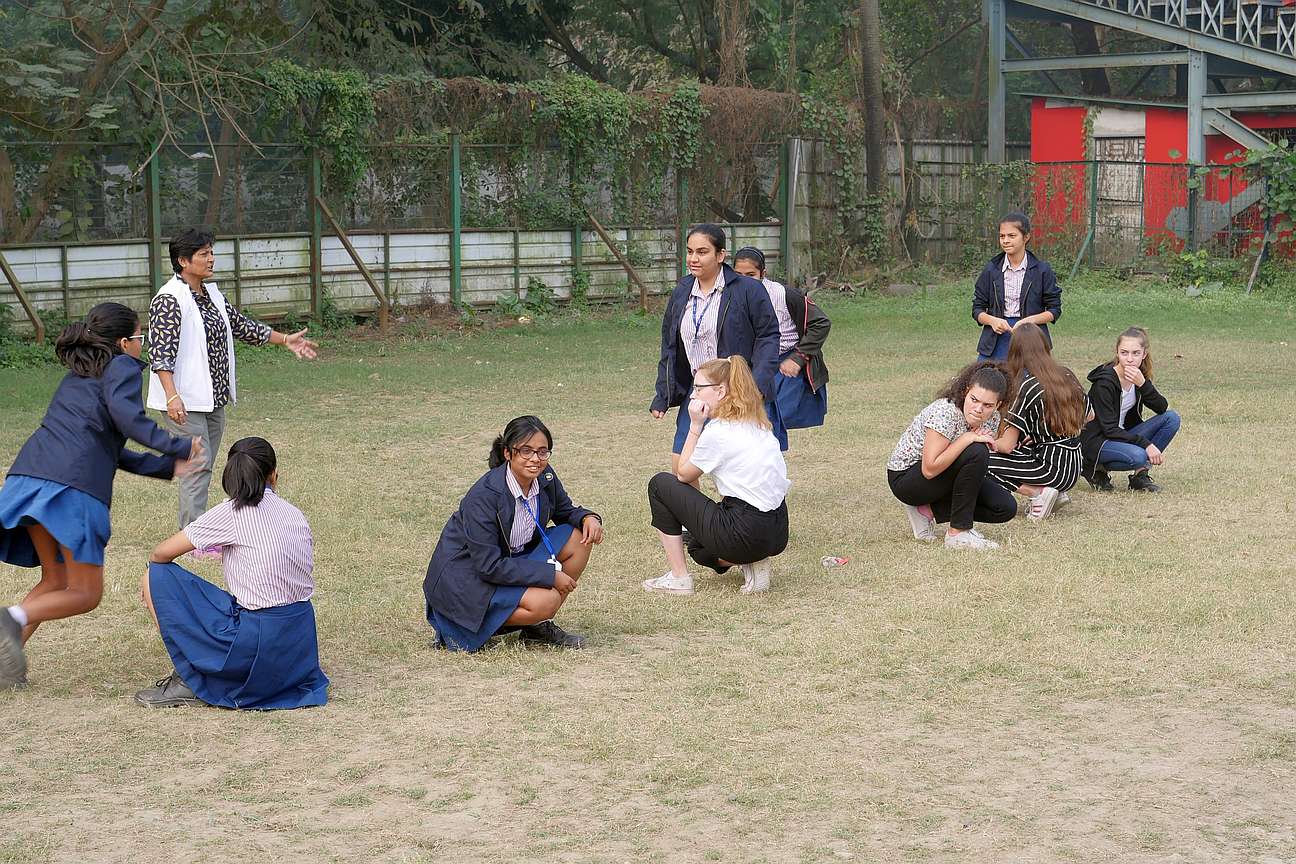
{"type": "Point", "coordinates": [1059, 191]}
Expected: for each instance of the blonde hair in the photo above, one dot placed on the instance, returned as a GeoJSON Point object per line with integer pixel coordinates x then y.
{"type": "Point", "coordinates": [742, 401]}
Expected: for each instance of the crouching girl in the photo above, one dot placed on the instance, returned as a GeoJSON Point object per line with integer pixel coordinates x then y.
{"type": "Point", "coordinates": [254, 646]}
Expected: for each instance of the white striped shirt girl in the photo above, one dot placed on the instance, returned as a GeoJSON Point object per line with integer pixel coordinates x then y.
{"type": "Point", "coordinates": [525, 505]}
{"type": "Point", "coordinates": [268, 550]}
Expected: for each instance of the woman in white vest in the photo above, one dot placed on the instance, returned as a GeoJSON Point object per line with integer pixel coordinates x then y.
{"type": "Point", "coordinates": [192, 329]}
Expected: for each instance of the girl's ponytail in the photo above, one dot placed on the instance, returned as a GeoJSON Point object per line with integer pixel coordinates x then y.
{"type": "Point", "coordinates": [496, 457]}
{"type": "Point", "coordinates": [248, 467]}
{"type": "Point", "coordinates": [87, 347]}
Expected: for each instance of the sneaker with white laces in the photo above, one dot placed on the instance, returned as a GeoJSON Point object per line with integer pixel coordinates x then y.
{"type": "Point", "coordinates": [669, 583]}
{"type": "Point", "coordinates": [970, 539]}
{"type": "Point", "coordinates": [924, 527]}
{"type": "Point", "coordinates": [1043, 504]}
{"type": "Point", "coordinates": [756, 576]}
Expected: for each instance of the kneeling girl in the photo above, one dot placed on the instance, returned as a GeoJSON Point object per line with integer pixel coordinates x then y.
{"type": "Point", "coordinates": [729, 438]}
{"type": "Point", "coordinates": [255, 646]}
{"type": "Point", "coordinates": [939, 467]}
{"type": "Point", "coordinates": [499, 566]}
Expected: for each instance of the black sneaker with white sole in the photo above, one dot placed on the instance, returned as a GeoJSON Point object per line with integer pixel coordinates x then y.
{"type": "Point", "coordinates": [170, 692]}
{"type": "Point", "coordinates": [1101, 481]}
{"type": "Point", "coordinates": [13, 660]}
{"type": "Point", "coordinates": [549, 633]}
{"type": "Point", "coordinates": [1141, 481]}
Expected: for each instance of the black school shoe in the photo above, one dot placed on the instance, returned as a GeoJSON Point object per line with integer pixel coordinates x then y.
{"type": "Point", "coordinates": [13, 662]}
{"type": "Point", "coordinates": [1101, 481]}
{"type": "Point", "coordinates": [170, 692]}
{"type": "Point", "coordinates": [1141, 481]}
{"type": "Point", "coordinates": [549, 633]}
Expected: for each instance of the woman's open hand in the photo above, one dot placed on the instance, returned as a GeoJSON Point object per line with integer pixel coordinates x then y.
{"type": "Point", "coordinates": [591, 531]}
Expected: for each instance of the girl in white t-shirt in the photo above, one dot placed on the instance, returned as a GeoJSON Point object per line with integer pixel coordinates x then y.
{"type": "Point", "coordinates": [737, 448]}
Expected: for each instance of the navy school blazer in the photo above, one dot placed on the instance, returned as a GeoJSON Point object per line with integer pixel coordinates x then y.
{"type": "Point", "coordinates": [81, 441]}
{"type": "Point", "coordinates": [746, 325]}
{"type": "Point", "coordinates": [473, 554]}
{"type": "Point", "coordinates": [1040, 293]}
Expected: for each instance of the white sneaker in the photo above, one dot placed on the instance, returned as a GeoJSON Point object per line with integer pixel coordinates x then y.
{"type": "Point", "coordinates": [670, 584]}
{"type": "Point", "coordinates": [1063, 500]}
{"type": "Point", "coordinates": [924, 527]}
{"type": "Point", "coordinates": [1042, 505]}
{"type": "Point", "coordinates": [756, 576]}
{"type": "Point", "coordinates": [970, 539]}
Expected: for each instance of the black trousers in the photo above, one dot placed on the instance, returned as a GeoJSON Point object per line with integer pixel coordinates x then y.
{"type": "Point", "coordinates": [730, 529]}
{"type": "Point", "coordinates": [962, 494]}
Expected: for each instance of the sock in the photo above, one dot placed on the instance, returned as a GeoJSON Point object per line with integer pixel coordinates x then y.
{"type": "Point", "coordinates": [17, 613]}
{"type": "Point", "coordinates": [925, 509]}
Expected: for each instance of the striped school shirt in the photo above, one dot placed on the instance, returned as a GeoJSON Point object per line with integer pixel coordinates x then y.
{"type": "Point", "coordinates": [700, 323]}
{"type": "Point", "coordinates": [268, 550]}
{"type": "Point", "coordinates": [524, 525]}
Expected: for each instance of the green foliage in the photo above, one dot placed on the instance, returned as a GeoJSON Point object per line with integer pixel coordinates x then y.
{"type": "Point", "coordinates": [327, 110]}
{"type": "Point", "coordinates": [995, 189]}
{"type": "Point", "coordinates": [332, 317]}
{"type": "Point", "coordinates": [1276, 168]}
{"type": "Point", "coordinates": [19, 352]}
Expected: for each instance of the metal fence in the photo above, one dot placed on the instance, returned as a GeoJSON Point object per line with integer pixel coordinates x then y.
{"type": "Point", "coordinates": [454, 222]}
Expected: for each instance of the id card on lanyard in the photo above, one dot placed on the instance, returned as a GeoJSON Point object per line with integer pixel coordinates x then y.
{"type": "Point", "coordinates": [535, 520]}
{"type": "Point", "coordinates": [698, 319]}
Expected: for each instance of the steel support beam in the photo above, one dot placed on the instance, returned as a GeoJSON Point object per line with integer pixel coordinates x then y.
{"type": "Point", "coordinates": [1273, 99]}
{"type": "Point", "coordinates": [1239, 132]}
{"type": "Point", "coordinates": [1190, 39]}
{"type": "Point", "coordinates": [1097, 61]}
{"type": "Point", "coordinates": [1196, 92]}
{"type": "Point", "coordinates": [1028, 52]}
{"type": "Point", "coordinates": [996, 30]}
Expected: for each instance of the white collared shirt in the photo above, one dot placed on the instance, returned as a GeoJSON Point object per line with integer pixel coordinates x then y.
{"type": "Point", "coordinates": [524, 526]}
{"type": "Point", "coordinates": [788, 336]}
{"type": "Point", "coordinates": [1013, 278]}
{"type": "Point", "coordinates": [699, 325]}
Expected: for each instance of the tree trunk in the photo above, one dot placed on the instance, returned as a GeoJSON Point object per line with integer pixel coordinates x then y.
{"type": "Point", "coordinates": [220, 169]}
{"type": "Point", "coordinates": [870, 20]}
{"type": "Point", "coordinates": [733, 43]}
{"type": "Point", "coordinates": [1085, 39]}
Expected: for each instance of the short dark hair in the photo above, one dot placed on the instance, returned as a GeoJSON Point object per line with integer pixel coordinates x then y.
{"type": "Point", "coordinates": [714, 233]}
{"type": "Point", "coordinates": [187, 242]}
{"type": "Point", "coordinates": [752, 254]}
{"type": "Point", "coordinates": [518, 430]}
{"type": "Point", "coordinates": [248, 467]}
{"type": "Point", "coordinates": [1019, 219]}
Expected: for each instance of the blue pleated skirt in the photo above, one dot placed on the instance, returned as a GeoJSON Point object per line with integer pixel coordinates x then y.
{"type": "Point", "coordinates": [504, 600]}
{"type": "Point", "coordinates": [234, 657]}
{"type": "Point", "coordinates": [77, 520]}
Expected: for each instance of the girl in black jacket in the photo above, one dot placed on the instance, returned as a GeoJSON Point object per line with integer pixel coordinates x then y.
{"type": "Point", "coordinates": [54, 503]}
{"type": "Point", "coordinates": [1014, 288]}
{"type": "Point", "coordinates": [801, 389]}
{"type": "Point", "coordinates": [1118, 438]}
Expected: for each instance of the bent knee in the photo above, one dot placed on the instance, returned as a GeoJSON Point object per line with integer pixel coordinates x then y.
{"type": "Point", "coordinates": [659, 481]}
{"type": "Point", "coordinates": [1172, 418]}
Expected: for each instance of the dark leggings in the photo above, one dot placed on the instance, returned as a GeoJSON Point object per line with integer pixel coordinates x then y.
{"type": "Point", "coordinates": [730, 529]}
{"type": "Point", "coordinates": [960, 495]}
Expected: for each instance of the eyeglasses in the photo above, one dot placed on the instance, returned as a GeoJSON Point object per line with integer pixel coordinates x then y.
{"type": "Point", "coordinates": [704, 386]}
{"type": "Point", "coordinates": [142, 335]}
{"type": "Point", "coordinates": [531, 453]}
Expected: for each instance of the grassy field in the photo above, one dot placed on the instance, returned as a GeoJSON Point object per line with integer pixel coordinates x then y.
{"type": "Point", "coordinates": [1114, 685]}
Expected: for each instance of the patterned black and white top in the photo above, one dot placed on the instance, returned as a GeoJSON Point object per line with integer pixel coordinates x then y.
{"type": "Point", "coordinates": [1041, 458]}
{"type": "Point", "coordinates": [943, 416]}
{"type": "Point", "coordinates": [164, 338]}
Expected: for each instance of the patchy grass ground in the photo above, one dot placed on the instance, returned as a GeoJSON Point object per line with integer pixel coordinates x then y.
{"type": "Point", "coordinates": [1114, 685]}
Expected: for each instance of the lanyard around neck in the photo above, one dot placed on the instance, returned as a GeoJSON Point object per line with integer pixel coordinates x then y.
{"type": "Point", "coordinates": [698, 319]}
{"type": "Point", "coordinates": [535, 519]}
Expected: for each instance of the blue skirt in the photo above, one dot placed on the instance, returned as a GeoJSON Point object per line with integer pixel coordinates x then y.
{"type": "Point", "coordinates": [795, 405]}
{"type": "Point", "coordinates": [503, 603]}
{"type": "Point", "coordinates": [235, 657]}
{"type": "Point", "coordinates": [1002, 341]}
{"type": "Point", "coordinates": [77, 520]}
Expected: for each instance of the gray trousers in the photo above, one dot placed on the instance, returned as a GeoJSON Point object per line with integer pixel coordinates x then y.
{"type": "Point", "coordinates": [209, 426]}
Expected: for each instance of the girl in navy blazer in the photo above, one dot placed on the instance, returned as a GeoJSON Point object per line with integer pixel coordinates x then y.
{"type": "Point", "coordinates": [1014, 288]}
{"type": "Point", "coordinates": [499, 565]}
{"type": "Point", "coordinates": [713, 312]}
{"type": "Point", "coordinates": [54, 502]}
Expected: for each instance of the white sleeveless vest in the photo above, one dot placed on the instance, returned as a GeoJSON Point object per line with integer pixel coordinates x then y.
{"type": "Point", "coordinates": [192, 372]}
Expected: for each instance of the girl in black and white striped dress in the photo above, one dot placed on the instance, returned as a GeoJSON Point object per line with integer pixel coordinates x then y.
{"type": "Point", "coordinates": [1037, 452]}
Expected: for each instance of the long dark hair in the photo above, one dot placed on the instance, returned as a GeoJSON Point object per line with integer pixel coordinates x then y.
{"type": "Point", "coordinates": [1064, 398]}
{"type": "Point", "coordinates": [516, 433]}
{"type": "Point", "coordinates": [86, 347]}
{"type": "Point", "coordinates": [712, 232]}
{"type": "Point", "coordinates": [248, 467]}
{"type": "Point", "coordinates": [981, 373]}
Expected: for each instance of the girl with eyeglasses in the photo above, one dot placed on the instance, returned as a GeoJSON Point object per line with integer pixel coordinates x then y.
{"type": "Point", "coordinates": [801, 387]}
{"type": "Point", "coordinates": [729, 437]}
{"type": "Point", "coordinates": [54, 504]}
{"type": "Point", "coordinates": [713, 312]}
{"type": "Point", "coordinates": [513, 552]}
